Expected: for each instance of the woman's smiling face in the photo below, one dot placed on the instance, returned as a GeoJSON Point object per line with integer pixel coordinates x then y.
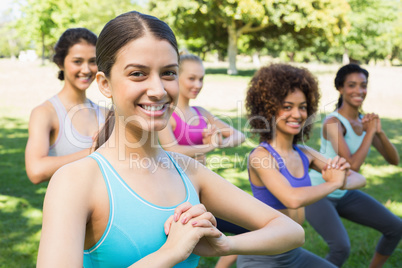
{"type": "Point", "coordinates": [293, 113]}
{"type": "Point", "coordinates": [143, 83]}
{"type": "Point", "coordinates": [191, 78]}
{"type": "Point", "coordinates": [79, 66]}
{"type": "Point", "coordinates": [354, 89]}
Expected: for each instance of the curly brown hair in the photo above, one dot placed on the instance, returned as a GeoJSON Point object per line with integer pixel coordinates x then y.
{"type": "Point", "coordinates": [268, 89]}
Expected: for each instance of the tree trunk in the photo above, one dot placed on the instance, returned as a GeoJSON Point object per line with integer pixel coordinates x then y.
{"type": "Point", "coordinates": [43, 48]}
{"type": "Point", "coordinates": [291, 56]}
{"type": "Point", "coordinates": [256, 60]}
{"type": "Point", "coordinates": [345, 57]}
{"type": "Point", "coordinates": [232, 49]}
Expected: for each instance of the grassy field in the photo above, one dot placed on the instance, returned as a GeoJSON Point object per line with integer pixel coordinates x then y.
{"type": "Point", "coordinates": [23, 86]}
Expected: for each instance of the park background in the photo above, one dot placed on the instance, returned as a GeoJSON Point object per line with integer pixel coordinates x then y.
{"type": "Point", "coordinates": [318, 35]}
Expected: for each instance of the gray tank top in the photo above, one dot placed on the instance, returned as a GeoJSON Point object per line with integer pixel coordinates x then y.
{"type": "Point", "coordinates": [69, 140]}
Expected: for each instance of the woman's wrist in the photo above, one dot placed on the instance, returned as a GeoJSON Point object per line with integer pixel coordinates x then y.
{"type": "Point", "coordinates": [380, 133]}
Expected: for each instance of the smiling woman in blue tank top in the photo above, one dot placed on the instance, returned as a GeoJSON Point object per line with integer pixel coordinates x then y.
{"type": "Point", "coordinates": [131, 203]}
{"type": "Point", "coordinates": [350, 134]}
{"type": "Point", "coordinates": [279, 101]}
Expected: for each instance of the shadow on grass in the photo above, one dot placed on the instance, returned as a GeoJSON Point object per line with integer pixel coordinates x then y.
{"type": "Point", "coordinates": [20, 200]}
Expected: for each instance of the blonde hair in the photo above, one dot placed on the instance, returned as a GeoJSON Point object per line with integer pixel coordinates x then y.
{"type": "Point", "coordinates": [186, 56]}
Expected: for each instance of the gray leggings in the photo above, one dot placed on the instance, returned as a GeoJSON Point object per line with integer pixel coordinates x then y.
{"type": "Point", "coordinates": [296, 258]}
{"type": "Point", "coordinates": [360, 208]}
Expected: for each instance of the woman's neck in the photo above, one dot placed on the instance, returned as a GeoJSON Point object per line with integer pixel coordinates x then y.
{"type": "Point", "coordinates": [130, 142]}
{"type": "Point", "coordinates": [349, 112]}
{"type": "Point", "coordinates": [183, 103]}
{"type": "Point", "coordinates": [73, 96]}
{"type": "Point", "coordinates": [282, 143]}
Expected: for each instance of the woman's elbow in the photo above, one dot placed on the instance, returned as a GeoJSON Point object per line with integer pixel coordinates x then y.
{"type": "Point", "coordinates": [242, 138]}
{"type": "Point", "coordinates": [300, 236]}
{"type": "Point", "coordinates": [360, 181]}
{"type": "Point", "coordinates": [36, 176]}
{"type": "Point", "coordinates": [293, 203]}
{"type": "Point", "coordinates": [297, 234]}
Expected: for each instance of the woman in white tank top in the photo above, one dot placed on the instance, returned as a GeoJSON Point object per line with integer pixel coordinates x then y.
{"type": "Point", "coordinates": [61, 128]}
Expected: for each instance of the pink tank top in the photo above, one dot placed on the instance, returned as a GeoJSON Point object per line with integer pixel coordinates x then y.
{"type": "Point", "coordinates": [187, 134]}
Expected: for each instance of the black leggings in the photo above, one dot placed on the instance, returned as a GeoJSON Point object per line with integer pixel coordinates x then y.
{"type": "Point", "coordinates": [360, 208]}
{"type": "Point", "coordinates": [228, 227]}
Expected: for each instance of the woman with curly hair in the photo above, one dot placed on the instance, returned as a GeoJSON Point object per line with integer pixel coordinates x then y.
{"type": "Point", "coordinates": [350, 134]}
{"type": "Point", "coordinates": [280, 99]}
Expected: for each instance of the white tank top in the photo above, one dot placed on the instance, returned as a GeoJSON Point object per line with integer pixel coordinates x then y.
{"type": "Point", "coordinates": [69, 140]}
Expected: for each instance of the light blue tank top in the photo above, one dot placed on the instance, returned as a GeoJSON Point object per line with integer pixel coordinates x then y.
{"type": "Point", "coordinates": [135, 226]}
{"type": "Point", "coordinates": [69, 140]}
{"type": "Point", "coordinates": [352, 140]}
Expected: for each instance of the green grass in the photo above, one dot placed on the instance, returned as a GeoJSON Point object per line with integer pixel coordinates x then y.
{"type": "Point", "coordinates": [21, 201]}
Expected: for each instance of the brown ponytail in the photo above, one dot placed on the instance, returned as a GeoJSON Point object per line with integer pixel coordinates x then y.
{"type": "Point", "coordinates": [106, 130]}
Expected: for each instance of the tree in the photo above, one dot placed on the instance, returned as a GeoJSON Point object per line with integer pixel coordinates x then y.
{"type": "Point", "coordinates": [43, 21]}
{"type": "Point", "coordinates": [372, 24]}
{"type": "Point", "coordinates": [294, 18]}
{"type": "Point", "coordinates": [311, 26]}
{"type": "Point", "coordinates": [208, 18]}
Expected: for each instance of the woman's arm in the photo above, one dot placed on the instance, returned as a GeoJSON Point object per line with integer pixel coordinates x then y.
{"type": "Point", "coordinates": [39, 166]}
{"type": "Point", "coordinates": [333, 132]}
{"type": "Point", "coordinates": [169, 143]}
{"type": "Point", "coordinates": [271, 231]}
{"type": "Point", "coordinates": [67, 207]}
{"type": "Point", "coordinates": [231, 136]}
{"type": "Point", "coordinates": [384, 145]}
{"type": "Point", "coordinates": [353, 179]}
{"type": "Point", "coordinates": [265, 173]}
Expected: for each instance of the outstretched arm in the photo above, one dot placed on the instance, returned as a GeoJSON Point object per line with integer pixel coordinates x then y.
{"type": "Point", "coordinates": [353, 179]}
{"type": "Point", "coordinates": [271, 231]}
{"type": "Point", "coordinates": [169, 143]}
{"type": "Point", "coordinates": [231, 136]}
{"type": "Point", "coordinates": [264, 172]}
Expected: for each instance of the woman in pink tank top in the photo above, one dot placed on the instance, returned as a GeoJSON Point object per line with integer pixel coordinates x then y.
{"type": "Point", "coordinates": [194, 131]}
{"type": "Point", "coordinates": [61, 128]}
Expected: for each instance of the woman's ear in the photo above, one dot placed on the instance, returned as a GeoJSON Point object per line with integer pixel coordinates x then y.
{"type": "Point", "coordinates": [103, 84]}
{"type": "Point", "coordinates": [340, 89]}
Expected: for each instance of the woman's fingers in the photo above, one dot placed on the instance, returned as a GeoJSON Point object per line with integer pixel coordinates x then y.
{"type": "Point", "coordinates": [180, 209]}
{"type": "Point", "coordinates": [193, 212]}
{"type": "Point", "coordinates": [167, 225]}
{"type": "Point", "coordinates": [334, 162]}
{"type": "Point", "coordinates": [343, 164]}
{"type": "Point", "coordinates": [328, 164]}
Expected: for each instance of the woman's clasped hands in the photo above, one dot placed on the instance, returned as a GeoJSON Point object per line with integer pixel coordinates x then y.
{"type": "Point", "coordinates": [336, 171]}
{"type": "Point", "coordinates": [192, 229]}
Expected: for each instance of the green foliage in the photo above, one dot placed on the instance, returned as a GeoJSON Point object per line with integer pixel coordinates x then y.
{"type": "Point", "coordinates": [43, 21]}
{"type": "Point", "coordinates": [373, 26]}
{"type": "Point", "coordinates": [250, 26]}
{"type": "Point", "coordinates": [303, 29]}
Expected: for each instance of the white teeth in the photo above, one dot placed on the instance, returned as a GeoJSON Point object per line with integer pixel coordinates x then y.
{"type": "Point", "coordinates": [293, 123]}
{"type": "Point", "coordinates": [153, 108]}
